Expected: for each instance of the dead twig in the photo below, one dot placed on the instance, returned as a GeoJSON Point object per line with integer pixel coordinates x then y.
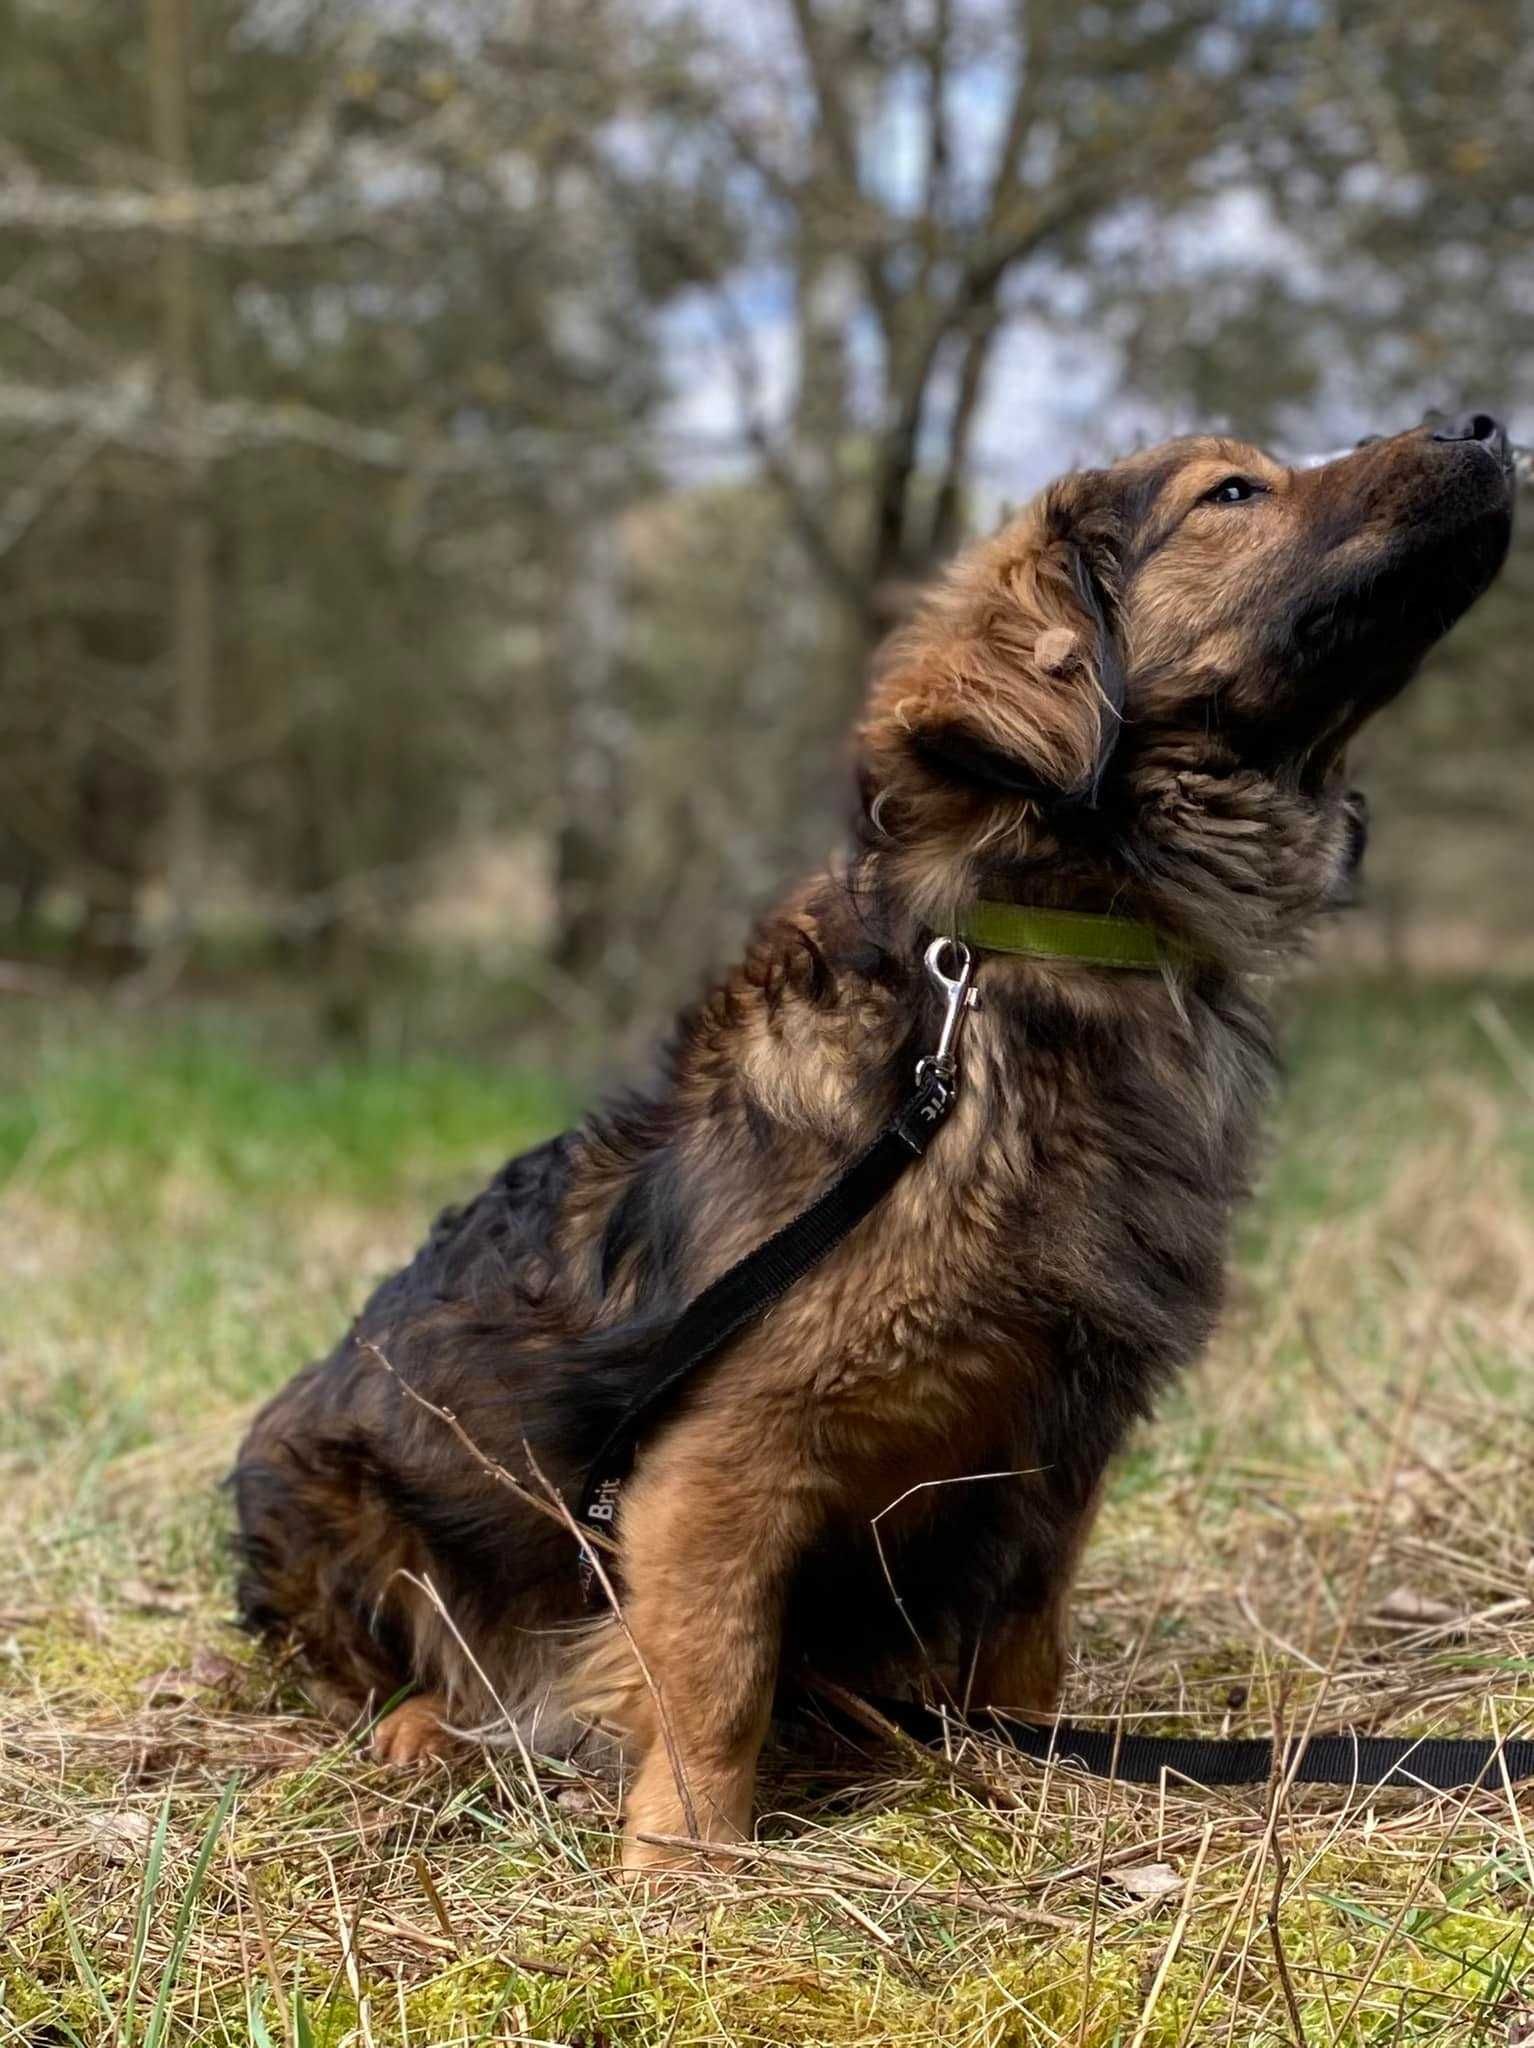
{"type": "Point", "coordinates": [906, 1891]}
{"type": "Point", "coordinates": [553, 1507]}
{"type": "Point", "coordinates": [1275, 1936]}
{"type": "Point", "coordinates": [930, 1760]}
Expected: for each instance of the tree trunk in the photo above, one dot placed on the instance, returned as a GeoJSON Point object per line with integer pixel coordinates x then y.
{"type": "Point", "coordinates": [593, 730]}
{"type": "Point", "coordinates": [191, 555]}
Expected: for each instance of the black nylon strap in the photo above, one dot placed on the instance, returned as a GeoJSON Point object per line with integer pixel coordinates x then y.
{"type": "Point", "coordinates": [755, 1282]}
{"type": "Point", "coordinates": [1437, 1763]}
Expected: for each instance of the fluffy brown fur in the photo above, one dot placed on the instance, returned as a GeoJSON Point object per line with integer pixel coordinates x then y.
{"type": "Point", "coordinates": [1136, 696]}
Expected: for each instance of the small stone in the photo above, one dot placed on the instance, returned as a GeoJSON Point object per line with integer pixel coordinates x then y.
{"type": "Point", "coordinates": [1149, 1880]}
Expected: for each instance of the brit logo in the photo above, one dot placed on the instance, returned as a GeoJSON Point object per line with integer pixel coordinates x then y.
{"type": "Point", "coordinates": [604, 1502]}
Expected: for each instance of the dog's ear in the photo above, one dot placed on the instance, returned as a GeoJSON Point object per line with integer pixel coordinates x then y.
{"type": "Point", "coordinates": [1009, 682]}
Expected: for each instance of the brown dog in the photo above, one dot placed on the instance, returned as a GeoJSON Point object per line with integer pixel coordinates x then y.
{"type": "Point", "coordinates": [1134, 699]}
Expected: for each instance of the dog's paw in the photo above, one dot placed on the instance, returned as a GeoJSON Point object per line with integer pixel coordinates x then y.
{"type": "Point", "coordinates": [414, 1733]}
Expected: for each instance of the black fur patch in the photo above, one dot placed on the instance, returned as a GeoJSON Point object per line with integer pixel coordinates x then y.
{"type": "Point", "coordinates": [952, 751]}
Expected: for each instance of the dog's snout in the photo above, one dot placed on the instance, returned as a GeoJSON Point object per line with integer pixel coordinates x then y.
{"type": "Point", "coordinates": [1483, 427]}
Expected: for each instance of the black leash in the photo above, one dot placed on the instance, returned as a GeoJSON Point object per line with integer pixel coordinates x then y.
{"type": "Point", "coordinates": [1424, 1762]}
{"type": "Point", "coordinates": [750, 1287]}
{"type": "Point", "coordinates": [764, 1275]}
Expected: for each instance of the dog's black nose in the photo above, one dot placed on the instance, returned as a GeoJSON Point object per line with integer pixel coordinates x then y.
{"type": "Point", "coordinates": [1484, 427]}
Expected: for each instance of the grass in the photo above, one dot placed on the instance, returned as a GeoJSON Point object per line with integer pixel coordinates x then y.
{"type": "Point", "coordinates": [1334, 1514]}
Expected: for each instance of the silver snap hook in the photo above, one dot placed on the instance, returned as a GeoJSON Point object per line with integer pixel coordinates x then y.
{"type": "Point", "coordinates": [952, 966]}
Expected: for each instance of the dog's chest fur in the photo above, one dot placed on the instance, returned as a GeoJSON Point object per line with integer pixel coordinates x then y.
{"type": "Point", "coordinates": [1056, 1253]}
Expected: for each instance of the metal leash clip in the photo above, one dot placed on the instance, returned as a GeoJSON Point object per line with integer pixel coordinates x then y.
{"type": "Point", "coordinates": [958, 996]}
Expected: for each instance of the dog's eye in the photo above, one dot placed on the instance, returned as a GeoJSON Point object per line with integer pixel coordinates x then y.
{"type": "Point", "coordinates": [1232, 491]}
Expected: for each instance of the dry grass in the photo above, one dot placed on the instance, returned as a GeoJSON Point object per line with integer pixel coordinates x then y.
{"type": "Point", "coordinates": [1334, 1517]}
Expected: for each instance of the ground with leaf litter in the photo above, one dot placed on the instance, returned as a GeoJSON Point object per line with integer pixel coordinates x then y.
{"type": "Point", "coordinates": [1334, 1517]}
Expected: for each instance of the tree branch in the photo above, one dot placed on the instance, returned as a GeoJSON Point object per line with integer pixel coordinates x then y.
{"type": "Point", "coordinates": [126, 413]}
{"type": "Point", "coordinates": [943, 533]}
{"type": "Point", "coordinates": [1035, 23]}
{"type": "Point", "coordinates": [814, 536]}
{"type": "Point", "coordinates": [838, 125]}
{"type": "Point", "coordinates": [26, 504]}
{"type": "Point", "coordinates": [939, 138]}
{"type": "Point", "coordinates": [836, 119]}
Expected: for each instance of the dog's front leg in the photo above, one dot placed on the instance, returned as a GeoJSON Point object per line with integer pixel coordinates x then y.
{"type": "Point", "coordinates": [1021, 1661]}
{"type": "Point", "coordinates": [708, 1537]}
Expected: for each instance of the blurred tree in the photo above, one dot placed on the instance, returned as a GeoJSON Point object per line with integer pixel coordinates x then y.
{"type": "Point", "coordinates": [517, 420]}
{"type": "Point", "coordinates": [1361, 248]}
{"type": "Point", "coordinates": [190, 596]}
{"type": "Point", "coordinates": [385, 351]}
{"type": "Point", "coordinates": [1309, 224]}
{"type": "Point", "coordinates": [900, 181]}
{"type": "Point", "coordinates": [920, 172]}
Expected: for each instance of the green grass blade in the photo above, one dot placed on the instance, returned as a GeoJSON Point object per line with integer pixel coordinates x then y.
{"type": "Point", "coordinates": [149, 1884]}
{"type": "Point", "coordinates": [303, 2033]}
{"type": "Point", "coordinates": [158, 2018]}
{"type": "Point", "coordinates": [82, 1965]}
{"type": "Point", "coordinates": [260, 2032]}
{"type": "Point", "coordinates": [1405, 1932]}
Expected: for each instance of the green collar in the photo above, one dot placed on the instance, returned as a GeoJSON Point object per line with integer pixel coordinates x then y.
{"type": "Point", "coordinates": [1089, 936]}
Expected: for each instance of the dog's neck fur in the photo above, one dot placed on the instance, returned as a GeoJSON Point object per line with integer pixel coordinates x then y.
{"type": "Point", "coordinates": [1226, 859]}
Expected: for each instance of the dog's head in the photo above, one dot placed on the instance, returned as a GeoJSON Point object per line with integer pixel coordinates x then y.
{"type": "Point", "coordinates": [1196, 609]}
